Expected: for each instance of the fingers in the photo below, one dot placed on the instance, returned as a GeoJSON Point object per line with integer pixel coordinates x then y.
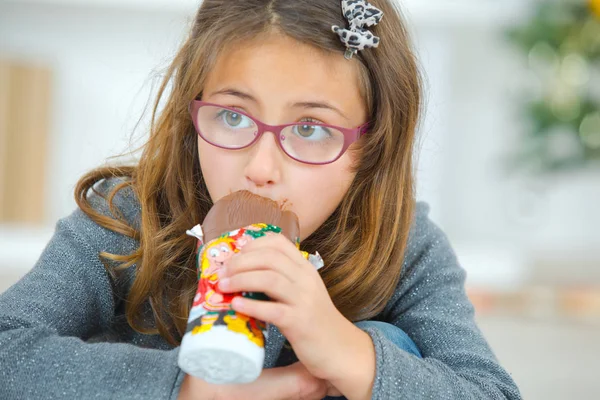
{"type": "Point", "coordinates": [332, 390]}
{"type": "Point", "coordinates": [272, 312]}
{"type": "Point", "coordinates": [261, 258]}
{"type": "Point", "coordinates": [276, 242]}
{"type": "Point", "coordinates": [272, 283]}
{"type": "Point", "coordinates": [307, 386]}
{"type": "Point", "coordinates": [277, 383]}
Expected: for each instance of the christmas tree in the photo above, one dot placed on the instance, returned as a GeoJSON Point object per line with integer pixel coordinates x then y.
{"type": "Point", "coordinates": [561, 102]}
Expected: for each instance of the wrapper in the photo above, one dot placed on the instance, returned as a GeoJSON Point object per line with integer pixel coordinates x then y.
{"type": "Point", "coordinates": [221, 345]}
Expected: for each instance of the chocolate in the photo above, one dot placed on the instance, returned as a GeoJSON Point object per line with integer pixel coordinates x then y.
{"type": "Point", "coordinates": [243, 208]}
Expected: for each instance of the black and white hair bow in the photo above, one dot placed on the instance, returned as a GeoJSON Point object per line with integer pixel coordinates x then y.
{"type": "Point", "coordinates": [360, 14]}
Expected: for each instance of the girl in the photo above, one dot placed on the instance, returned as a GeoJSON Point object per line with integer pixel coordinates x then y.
{"type": "Point", "coordinates": [103, 310]}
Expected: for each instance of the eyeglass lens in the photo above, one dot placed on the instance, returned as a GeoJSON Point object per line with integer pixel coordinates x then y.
{"type": "Point", "coordinates": [304, 141]}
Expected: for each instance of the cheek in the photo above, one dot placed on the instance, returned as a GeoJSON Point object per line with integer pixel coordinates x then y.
{"type": "Point", "coordinates": [218, 169]}
{"type": "Point", "coordinates": [318, 194]}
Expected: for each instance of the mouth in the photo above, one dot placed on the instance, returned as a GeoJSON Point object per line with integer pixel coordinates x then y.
{"type": "Point", "coordinates": [284, 204]}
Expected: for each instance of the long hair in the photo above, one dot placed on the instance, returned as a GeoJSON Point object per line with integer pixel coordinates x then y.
{"type": "Point", "coordinates": [362, 242]}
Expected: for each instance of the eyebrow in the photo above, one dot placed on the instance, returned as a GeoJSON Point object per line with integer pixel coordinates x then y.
{"type": "Point", "coordinates": [302, 104]}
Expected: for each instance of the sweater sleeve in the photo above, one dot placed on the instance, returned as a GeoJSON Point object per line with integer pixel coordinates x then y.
{"type": "Point", "coordinates": [46, 317]}
{"type": "Point", "coordinates": [431, 306]}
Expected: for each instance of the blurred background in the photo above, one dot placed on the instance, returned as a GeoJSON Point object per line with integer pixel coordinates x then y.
{"type": "Point", "coordinates": [509, 152]}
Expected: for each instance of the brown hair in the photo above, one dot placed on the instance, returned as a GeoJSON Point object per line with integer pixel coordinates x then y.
{"type": "Point", "coordinates": [362, 242]}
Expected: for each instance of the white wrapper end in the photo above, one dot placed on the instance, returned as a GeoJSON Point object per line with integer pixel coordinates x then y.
{"type": "Point", "coordinates": [316, 260]}
{"type": "Point", "coordinates": [196, 232]}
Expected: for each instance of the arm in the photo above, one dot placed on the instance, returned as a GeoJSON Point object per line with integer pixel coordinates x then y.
{"type": "Point", "coordinates": [65, 299]}
{"type": "Point", "coordinates": [431, 306]}
{"type": "Point", "coordinates": [356, 365]}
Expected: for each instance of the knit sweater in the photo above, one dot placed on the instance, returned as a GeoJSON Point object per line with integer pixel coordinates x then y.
{"type": "Point", "coordinates": [63, 332]}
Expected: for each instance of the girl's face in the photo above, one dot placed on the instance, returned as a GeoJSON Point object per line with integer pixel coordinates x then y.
{"type": "Point", "coordinates": [277, 73]}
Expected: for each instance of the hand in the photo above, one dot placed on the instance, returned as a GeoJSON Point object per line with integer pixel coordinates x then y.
{"type": "Point", "coordinates": [196, 389]}
{"type": "Point", "coordinates": [290, 382]}
{"type": "Point", "coordinates": [300, 305]}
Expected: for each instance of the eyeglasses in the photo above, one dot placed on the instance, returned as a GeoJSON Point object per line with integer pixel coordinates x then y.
{"type": "Point", "coordinates": [307, 142]}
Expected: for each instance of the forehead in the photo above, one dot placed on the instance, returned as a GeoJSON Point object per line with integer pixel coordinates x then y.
{"type": "Point", "coordinates": [279, 67]}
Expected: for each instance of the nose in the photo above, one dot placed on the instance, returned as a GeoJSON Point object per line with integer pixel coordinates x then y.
{"type": "Point", "coordinates": [263, 167]}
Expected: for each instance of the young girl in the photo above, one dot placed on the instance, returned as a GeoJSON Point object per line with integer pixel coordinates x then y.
{"type": "Point", "coordinates": [103, 311]}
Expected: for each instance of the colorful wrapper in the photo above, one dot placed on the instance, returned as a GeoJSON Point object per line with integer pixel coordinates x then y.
{"type": "Point", "coordinates": [222, 345]}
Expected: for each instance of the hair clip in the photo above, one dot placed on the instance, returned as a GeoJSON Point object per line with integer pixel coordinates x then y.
{"type": "Point", "coordinates": [360, 14]}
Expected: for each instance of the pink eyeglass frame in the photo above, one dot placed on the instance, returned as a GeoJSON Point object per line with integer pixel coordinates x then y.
{"type": "Point", "coordinates": [350, 135]}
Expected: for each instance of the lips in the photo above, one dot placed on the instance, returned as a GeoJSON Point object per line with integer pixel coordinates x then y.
{"type": "Point", "coordinates": [284, 204]}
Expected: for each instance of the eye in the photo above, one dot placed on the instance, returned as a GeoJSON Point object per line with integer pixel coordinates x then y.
{"type": "Point", "coordinates": [213, 252]}
{"type": "Point", "coordinates": [306, 130]}
{"type": "Point", "coordinates": [312, 132]}
{"type": "Point", "coordinates": [224, 249]}
{"type": "Point", "coordinates": [233, 119]}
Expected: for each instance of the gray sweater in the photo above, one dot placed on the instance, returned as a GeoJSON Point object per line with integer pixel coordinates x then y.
{"type": "Point", "coordinates": [63, 333]}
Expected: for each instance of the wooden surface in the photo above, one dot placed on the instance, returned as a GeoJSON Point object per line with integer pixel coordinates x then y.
{"type": "Point", "coordinates": [25, 115]}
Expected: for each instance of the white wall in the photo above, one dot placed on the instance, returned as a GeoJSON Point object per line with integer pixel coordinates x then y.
{"type": "Point", "coordinates": [103, 61]}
